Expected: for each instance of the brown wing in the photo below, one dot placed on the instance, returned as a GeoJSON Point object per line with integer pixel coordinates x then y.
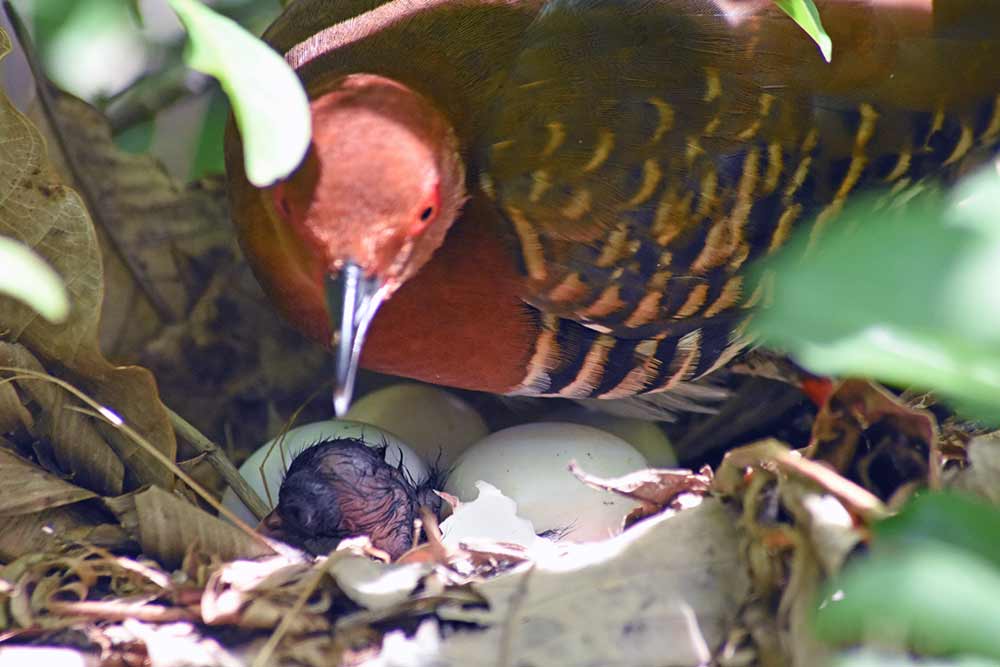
{"type": "Point", "coordinates": [644, 152]}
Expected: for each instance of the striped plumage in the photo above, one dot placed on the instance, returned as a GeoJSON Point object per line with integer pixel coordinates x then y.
{"type": "Point", "coordinates": [628, 158]}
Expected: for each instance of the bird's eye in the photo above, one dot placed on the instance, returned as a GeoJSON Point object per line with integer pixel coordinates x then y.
{"type": "Point", "coordinates": [422, 220]}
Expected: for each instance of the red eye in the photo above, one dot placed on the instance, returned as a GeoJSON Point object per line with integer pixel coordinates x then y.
{"type": "Point", "coordinates": [426, 213]}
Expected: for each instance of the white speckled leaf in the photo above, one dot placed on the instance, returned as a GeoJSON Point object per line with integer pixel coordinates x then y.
{"type": "Point", "coordinates": [665, 592]}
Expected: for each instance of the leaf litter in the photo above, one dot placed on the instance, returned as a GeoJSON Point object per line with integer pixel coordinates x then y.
{"type": "Point", "coordinates": [107, 556]}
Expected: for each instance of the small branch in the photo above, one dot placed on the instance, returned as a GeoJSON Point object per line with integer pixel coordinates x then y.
{"type": "Point", "coordinates": [115, 610]}
{"type": "Point", "coordinates": [152, 93]}
{"type": "Point", "coordinates": [221, 463]}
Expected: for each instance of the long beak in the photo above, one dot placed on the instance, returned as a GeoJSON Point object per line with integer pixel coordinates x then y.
{"type": "Point", "coordinates": [352, 299]}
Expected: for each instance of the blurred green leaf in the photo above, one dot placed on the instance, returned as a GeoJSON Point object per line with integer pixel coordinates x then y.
{"type": "Point", "coordinates": [805, 14]}
{"type": "Point", "coordinates": [270, 105]}
{"type": "Point", "coordinates": [957, 520]}
{"type": "Point", "coordinates": [884, 659]}
{"type": "Point", "coordinates": [135, 11]}
{"type": "Point", "coordinates": [936, 598]}
{"type": "Point", "coordinates": [209, 157]}
{"type": "Point", "coordinates": [903, 294]}
{"type": "Point", "coordinates": [136, 139]}
{"type": "Point", "coordinates": [26, 277]}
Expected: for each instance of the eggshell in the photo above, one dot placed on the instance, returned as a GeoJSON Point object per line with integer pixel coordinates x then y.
{"type": "Point", "coordinates": [528, 464]}
{"type": "Point", "coordinates": [434, 422]}
{"type": "Point", "coordinates": [646, 436]}
{"type": "Point", "coordinates": [277, 457]}
{"type": "Point", "coordinates": [491, 516]}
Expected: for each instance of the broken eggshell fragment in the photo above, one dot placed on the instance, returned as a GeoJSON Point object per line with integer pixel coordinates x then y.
{"type": "Point", "coordinates": [490, 516]}
{"type": "Point", "coordinates": [265, 468]}
{"type": "Point", "coordinates": [529, 465]}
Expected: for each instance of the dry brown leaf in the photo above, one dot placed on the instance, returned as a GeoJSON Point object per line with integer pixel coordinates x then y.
{"type": "Point", "coordinates": [72, 438]}
{"type": "Point", "coordinates": [41, 532]}
{"type": "Point", "coordinates": [179, 298]}
{"type": "Point", "coordinates": [167, 238]}
{"type": "Point", "coordinates": [169, 527]}
{"type": "Point", "coordinates": [875, 439]}
{"type": "Point", "coordinates": [653, 489]}
{"type": "Point", "coordinates": [48, 589]}
{"type": "Point", "coordinates": [802, 520]}
{"type": "Point", "coordinates": [260, 594]}
{"type": "Point", "coordinates": [13, 414]}
{"type": "Point", "coordinates": [25, 488]}
{"type": "Point", "coordinates": [982, 476]}
{"type": "Point", "coordinates": [235, 369]}
{"type": "Point", "coordinates": [51, 218]}
{"type": "Point", "coordinates": [773, 456]}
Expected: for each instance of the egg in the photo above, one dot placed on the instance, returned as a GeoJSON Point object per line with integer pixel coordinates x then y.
{"type": "Point", "coordinates": [529, 465]}
{"type": "Point", "coordinates": [266, 467]}
{"type": "Point", "coordinates": [436, 423]}
{"type": "Point", "coordinates": [646, 436]}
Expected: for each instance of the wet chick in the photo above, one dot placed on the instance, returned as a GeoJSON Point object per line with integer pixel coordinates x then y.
{"type": "Point", "coordinates": [343, 488]}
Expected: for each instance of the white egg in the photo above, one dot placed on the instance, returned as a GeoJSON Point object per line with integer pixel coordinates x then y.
{"type": "Point", "coordinates": [644, 435]}
{"type": "Point", "coordinates": [266, 467]}
{"type": "Point", "coordinates": [528, 464]}
{"type": "Point", "coordinates": [436, 423]}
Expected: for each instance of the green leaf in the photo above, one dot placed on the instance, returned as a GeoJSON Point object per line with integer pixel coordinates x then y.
{"type": "Point", "coordinates": [902, 294]}
{"type": "Point", "coordinates": [209, 157]}
{"type": "Point", "coordinates": [26, 277]}
{"type": "Point", "coordinates": [958, 520]}
{"type": "Point", "coordinates": [869, 658]}
{"type": "Point", "coordinates": [938, 599]}
{"type": "Point", "coordinates": [804, 13]}
{"type": "Point", "coordinates": [135, 11]}
{"type": "Point", "coordinates": [268, 100]}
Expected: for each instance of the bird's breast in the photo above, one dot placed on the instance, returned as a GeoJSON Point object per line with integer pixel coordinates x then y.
{"type": "Point", "coordinates": [460, 321]}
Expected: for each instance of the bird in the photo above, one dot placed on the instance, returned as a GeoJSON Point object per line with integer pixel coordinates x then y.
{"type": "Point", "coordinates": [561, 197]}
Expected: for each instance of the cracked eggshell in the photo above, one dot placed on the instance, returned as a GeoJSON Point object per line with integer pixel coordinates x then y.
{"type": "Point", "coordinates": [277, 457]}
{"type": "Point", "coordinates": [491, 516]}
{"type": "Point", "coordinates": [436, 423]}
{"type": "Point", "coordinates": [528, 464]}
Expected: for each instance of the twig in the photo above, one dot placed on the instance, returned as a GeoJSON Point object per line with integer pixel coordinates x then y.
{"type": "Point", "coordinates": [152, 93]}
{"type": "Point", "coordinates": [221, 463]}
{"type": "Point", "coordinates": [114, 610]}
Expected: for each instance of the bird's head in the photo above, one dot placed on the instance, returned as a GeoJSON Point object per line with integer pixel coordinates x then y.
{"type": "Point", "coordinates": [374, 198]}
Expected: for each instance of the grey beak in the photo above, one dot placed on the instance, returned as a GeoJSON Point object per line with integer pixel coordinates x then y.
{"type": "Point", "coordinates": [352, 300]}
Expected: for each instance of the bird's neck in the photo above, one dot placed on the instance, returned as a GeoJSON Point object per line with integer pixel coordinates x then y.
{"type": "Point", "coordinates": [481, 334]}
